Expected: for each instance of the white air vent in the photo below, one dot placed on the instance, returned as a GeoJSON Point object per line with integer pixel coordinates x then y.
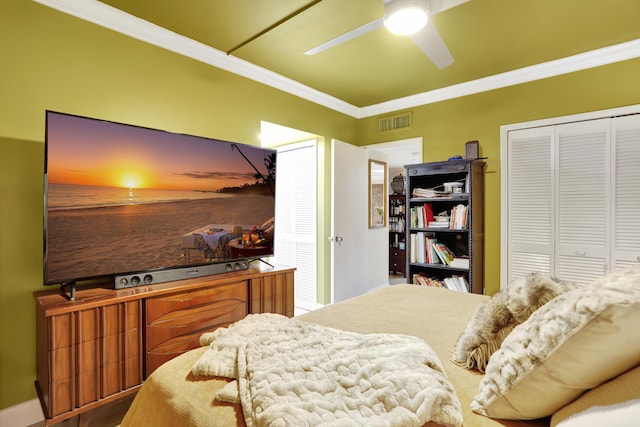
{"type": "Point", "coordinates": [391, 123]}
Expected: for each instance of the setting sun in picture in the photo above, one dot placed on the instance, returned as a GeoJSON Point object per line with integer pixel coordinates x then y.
{"type": "Point", "coordinates": [131, 180]}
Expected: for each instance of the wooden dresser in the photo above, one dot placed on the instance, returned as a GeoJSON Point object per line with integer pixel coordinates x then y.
{"type": "Point", "coordinates": [101, 346]}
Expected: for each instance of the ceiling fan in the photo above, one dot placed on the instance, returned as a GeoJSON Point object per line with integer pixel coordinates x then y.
{"type": "Point", "coordinates": [426, 37]}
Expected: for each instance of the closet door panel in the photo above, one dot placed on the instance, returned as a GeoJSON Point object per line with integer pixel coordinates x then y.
{"type": "Point", "coordinates": [626, 143]}
{"type": "Point", "coordinates": [530, 195]}
{"type": "Point", "coordinates": [582, 200]}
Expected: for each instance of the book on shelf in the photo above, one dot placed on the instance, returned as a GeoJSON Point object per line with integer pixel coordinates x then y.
{"type": "Point", "coordinates": [458, 219]}
{"type": "Point", "coordinates": [420, 241]}
{"type": "Point", "coordinates": [428, 214]}
{"type": "Point", "coordinates": [456, 283]}
{"type": "Point", "coordinates": [444, 253]}
{"type": "Point", "coordinates": [413, 253]}
{"type": "Point", "coordinates": [422, 280]}
{"type": "Point", "coordinates": [422, 249]}
{"type": "Point", "coordinates": [421, 215]}
{"type": "Point", "coordinates": [460, 262]}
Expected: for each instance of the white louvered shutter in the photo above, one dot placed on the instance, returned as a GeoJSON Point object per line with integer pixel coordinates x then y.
{"type": "Point", "coordinates": [626, 187]}
{"type": "Point", "coordinates": [296, 224]}
{"type": "Point", "coordinates": [530, 195]}
{"type": "Point", "coordinates": [583, 198]}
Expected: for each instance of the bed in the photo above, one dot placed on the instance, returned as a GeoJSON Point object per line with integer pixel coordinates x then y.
{"type": "Point", "coordinates": [174, 396]}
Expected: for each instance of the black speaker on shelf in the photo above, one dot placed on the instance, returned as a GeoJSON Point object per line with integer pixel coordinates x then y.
{"type": "Point", "coordinates": [160, 276]}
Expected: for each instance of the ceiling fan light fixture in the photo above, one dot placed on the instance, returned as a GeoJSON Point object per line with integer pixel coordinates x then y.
{"type": "Point", "coordinates": [406, 17]}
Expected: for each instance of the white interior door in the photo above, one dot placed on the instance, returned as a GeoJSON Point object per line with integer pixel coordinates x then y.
{"type": "Point", "coordinates": [352, 250]}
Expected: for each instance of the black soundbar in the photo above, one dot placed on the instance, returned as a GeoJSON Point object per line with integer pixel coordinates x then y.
{"type": "Point", "coordinates": [160, 276]}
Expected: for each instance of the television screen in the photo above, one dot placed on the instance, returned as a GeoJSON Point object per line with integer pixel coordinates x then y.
{"type": "Point", "coordinates": [123, 199]}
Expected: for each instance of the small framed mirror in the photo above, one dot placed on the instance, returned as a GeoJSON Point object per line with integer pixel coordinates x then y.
{"type": "Point", "coordinates": [377, 194]}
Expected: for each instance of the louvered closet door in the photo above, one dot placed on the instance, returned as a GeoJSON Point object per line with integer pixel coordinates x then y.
{"type": "Point", "coordinates": [296, 224]}
{"type": "Point", "coordinates": [530, 202]}
{"type": "Point", "coordinates": [582, 200]}
{"type": "Point", "coordinates": [626, 144]}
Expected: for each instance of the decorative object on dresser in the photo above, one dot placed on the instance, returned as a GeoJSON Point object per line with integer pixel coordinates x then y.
{"type": "Point", "coordinates": [445, 224]}
{"type": "Point", "coordinates": [101, 346]}
{"type": "Point", "coordinates": [397, 184]}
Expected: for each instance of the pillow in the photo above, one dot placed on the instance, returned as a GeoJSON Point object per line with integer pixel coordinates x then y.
{"type": "Point", "coordinates": [621, 390]}
{"type": "Point", "coordinates": [573, 343]}
{"type": "Point", "coordinates": [494, 320]}
{"type": "Point", "coordinates": [619, 415]}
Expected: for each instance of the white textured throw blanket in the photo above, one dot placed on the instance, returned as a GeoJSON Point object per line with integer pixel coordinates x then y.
{"type": "Point", "coordinates": [295, 373]}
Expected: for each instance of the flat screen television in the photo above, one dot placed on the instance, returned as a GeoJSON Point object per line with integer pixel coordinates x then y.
{"type": "Point", "coordinates": [123, 199]}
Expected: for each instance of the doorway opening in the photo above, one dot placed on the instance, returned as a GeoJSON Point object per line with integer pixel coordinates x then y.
{"type": "Point", "coordinates": [400, 153]}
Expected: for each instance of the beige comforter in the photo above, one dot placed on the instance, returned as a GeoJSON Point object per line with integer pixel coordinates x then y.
{"type": "Point", "coordinates": [172, 396]}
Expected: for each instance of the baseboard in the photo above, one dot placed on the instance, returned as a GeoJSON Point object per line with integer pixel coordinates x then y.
{"type": "Point", "coordinates": [22, 415]}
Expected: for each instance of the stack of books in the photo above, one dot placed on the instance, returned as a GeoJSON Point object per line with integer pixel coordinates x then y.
{"type": "Point", "coordinates": [460, 262]}
{"type": "Point", "coordinates": [454, 283]}
{"type": "Point", "coordinates": [429, 193]}
{"type": "Point", "coordinates": [422, 280]}
{"type": "Point", "coordinates": [439, 224]}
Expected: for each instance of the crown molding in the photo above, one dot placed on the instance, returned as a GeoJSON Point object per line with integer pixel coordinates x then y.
{"type": "Point", "coordinates": [124, 23]}
{"type": "Point", "coordinates": [570, 64]}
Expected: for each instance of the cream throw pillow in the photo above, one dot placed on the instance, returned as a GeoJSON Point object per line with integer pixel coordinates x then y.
{"type": "Point", "coordinates": [622, 389]}
{"type": "Point", "coordinates": [492, 321]}
{"type": "Point", "coordinates": [575, 342]}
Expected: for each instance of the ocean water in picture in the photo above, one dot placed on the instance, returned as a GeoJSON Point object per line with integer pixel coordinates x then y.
{"type": "Point", "coordinates": [70, 196]}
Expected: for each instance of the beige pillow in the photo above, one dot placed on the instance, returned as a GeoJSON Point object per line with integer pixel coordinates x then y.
{"type": "Point", "coordinates": [575, 342]}
{"type": "Point", "coordinates": [621, 389]}
{"type": "Point", "coordinates": [492, 321]}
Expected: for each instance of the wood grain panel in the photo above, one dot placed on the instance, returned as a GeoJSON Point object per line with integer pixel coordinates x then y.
{"type": "Point", "coordinates": [61, 332]}
{"type": "Point", "coordinates": [273, 294]}
{"type": "Point", "coordinates": [173, 303]}
{"type": "Point", "coordinates": [189, 319]}
{"type": "Point", "coordinates": [175, 322]}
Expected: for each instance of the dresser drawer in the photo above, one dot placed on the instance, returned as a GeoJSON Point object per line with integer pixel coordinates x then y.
{"type": "Point", "coordinates": [397, 260]}
{"type": "Point", "coordinates": [175, 322]}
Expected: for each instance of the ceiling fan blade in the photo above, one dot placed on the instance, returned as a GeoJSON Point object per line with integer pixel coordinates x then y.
{"type": "Point", "coordinates": [437, 6]}
{"type": "Point", "coordinates": [431, 44]}
{"type": "Point", "coordinates": [357, 32]}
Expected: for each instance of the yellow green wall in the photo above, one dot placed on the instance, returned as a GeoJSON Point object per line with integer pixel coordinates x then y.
{"type": "Point", "coordinates": [446, 126]}
{"type": "Point", "coordinates": [54, 61]}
